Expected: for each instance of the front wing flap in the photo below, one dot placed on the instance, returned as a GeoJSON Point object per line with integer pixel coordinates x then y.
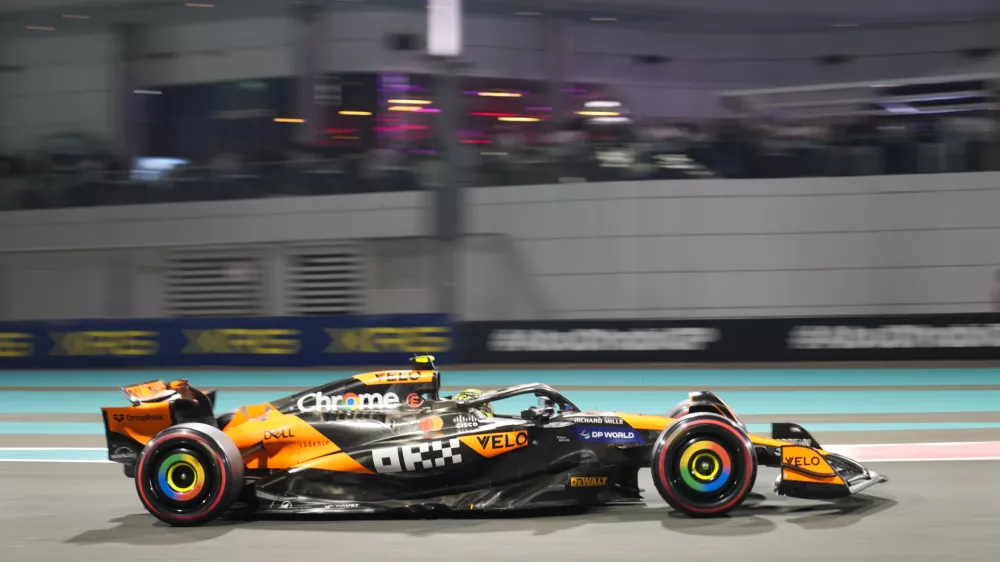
{"type": "Point", "coordinates": [814, 474]}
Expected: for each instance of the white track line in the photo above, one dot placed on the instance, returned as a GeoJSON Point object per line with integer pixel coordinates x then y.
{"type": "Point", "coordinates": [53, 448]}
{"type": "Point", "coordinates": [869, 461]}
{"type": "Point", "coordinates": [56, 460]}
{"type": "Point", "coordinates": [951, 443]}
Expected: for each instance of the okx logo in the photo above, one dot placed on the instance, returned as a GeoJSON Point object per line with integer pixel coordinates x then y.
{"type": "Point", "coordinates": [609, 435]}
{"type": "Point", "coordinates": [409, 458]}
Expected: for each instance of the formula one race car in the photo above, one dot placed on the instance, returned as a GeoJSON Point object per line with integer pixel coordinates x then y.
{"type": "Point", "coordinates": [385, 441]}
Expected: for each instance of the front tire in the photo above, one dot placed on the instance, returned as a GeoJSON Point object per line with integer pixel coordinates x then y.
{"type": "Point", "coordinates": [189, 474]}
{"type": "Point", "coordinates": [680, 410]}
{"type": "Point", "coordinates": [704, 465]}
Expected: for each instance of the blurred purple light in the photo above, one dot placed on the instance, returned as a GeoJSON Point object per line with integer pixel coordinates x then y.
{"type": "Point", "coordinates": [538, 108]}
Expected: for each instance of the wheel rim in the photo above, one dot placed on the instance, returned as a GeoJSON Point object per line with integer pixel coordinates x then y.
{"type": "Point", "coordinates": [182, 480]}
{"type": "Point", "coordinates": [181, 476]}
{"type": "Point", "coordinates": [705, 466]}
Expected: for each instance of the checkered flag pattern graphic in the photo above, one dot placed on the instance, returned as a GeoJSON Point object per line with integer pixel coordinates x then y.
{"type": "Point", "coordinates": [447, 449]}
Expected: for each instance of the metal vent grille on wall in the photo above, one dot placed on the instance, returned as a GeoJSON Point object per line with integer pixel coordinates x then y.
{"type": "Point", "coordinates": [326, 280]}
{"type": "Point", "coordinates": [221, 282]}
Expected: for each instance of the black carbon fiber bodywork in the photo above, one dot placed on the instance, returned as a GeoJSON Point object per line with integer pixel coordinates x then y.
{"type": "Point", "coordinates": [548, 458]}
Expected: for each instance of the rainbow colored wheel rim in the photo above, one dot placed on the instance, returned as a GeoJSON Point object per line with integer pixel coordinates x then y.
{"type": "Point", "coordinates": [705, 466]}
{"type": "Point", "coordinates": [181, 477]}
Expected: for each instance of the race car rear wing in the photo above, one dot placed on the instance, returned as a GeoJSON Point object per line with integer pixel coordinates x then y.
{"type": "Point", "coordinates": [159, 391]}
{"type": "Point", "coordinates": [154, 406]}
{"type": "Point", "coordinates": [152, 391]}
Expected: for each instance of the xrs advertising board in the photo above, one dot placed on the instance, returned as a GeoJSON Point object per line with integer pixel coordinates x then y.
{"type": "Point", "coordinates": [229, 342]}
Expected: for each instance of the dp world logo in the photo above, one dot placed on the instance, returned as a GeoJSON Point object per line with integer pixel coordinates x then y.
{"type": "Point", "coordinates": [611, 435]}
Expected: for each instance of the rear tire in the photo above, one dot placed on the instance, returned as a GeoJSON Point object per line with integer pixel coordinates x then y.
{"type": "Point", "coordinates": [704, 465]}
{"type": "Point", "coordinates": [189, 474]}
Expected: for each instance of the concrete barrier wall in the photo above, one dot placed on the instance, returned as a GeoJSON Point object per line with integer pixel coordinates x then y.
{"type": "Point", "coordinates": [822, 246]}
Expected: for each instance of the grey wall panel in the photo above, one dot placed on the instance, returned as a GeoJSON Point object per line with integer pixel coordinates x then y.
{"type": "Point", "coordinates": [401, 276]}
{"type": "Point", "coordinates": [494, 282]}
{"type": "Point", "coordinates": [702, 248]}
{"type": "Point", "coordinates": [55, 285]}
{"type": "Point", "coordinates": [146, 268]}
{"type": "Point", "coordinates": [758, 247]}
{"type": "Point", "coordinates": [232, 222]}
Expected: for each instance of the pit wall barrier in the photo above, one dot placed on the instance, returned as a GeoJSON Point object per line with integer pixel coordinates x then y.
{"type": "Point", "coordinates": [390, 340]}
{"type": "Point", "coordinates": [225, 342]}
{"type": "Point", "coordinates": [838, 338]}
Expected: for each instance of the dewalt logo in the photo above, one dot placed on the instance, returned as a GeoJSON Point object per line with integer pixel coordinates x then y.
{"type": "Point", "coordinates": [588, 481]}
{"type": "Point", "coordinates": [103, 343]}
{"type": "Point", "coordinates": [424, 339]}
{"type": "Point", "coordinates": [250, 342]}
{"type": "Point", "coordinates": [16, 345]}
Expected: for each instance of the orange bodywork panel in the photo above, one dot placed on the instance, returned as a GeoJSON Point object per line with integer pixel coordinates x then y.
{"type": "Point", "coordinates": [641, 421]}
{"type": "Point", "coordinates": [395, 377]}
{"type": "Point", "coordinates": [804, 464]}
{"type": "Point", "coordinates": [140, 422]}
{"type": "Point", "coordinates": [146, 390]}
{"type": "Point", "coordinates": [272, 440]}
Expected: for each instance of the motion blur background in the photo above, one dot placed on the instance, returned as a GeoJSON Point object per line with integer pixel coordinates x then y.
{"type": "Point", "coordinates": [577, 159]}
{"type": "Point", "coordinates": [289, 184]}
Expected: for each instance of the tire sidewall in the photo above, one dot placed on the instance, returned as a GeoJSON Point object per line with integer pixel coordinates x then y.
{"type": "Point", "coordinates": [216, 448]}
{"type": "Point", "coordinates": [709, 425]}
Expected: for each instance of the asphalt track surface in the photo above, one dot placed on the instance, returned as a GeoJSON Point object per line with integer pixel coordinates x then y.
{"type": "Point", "coordinates": [950, 510]}
{"type": "Point", "coordinates": [927, 511]}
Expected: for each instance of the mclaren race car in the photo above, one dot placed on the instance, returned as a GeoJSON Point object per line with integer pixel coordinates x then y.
{"type": "Point", "coordinates": [386, 441]}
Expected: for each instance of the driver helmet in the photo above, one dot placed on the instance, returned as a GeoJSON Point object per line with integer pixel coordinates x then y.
{"type": "Point", "coordinates": [469, 394]}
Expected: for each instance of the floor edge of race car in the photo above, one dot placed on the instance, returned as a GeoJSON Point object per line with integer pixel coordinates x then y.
{"type": "Point", "coordinates": [862, 452]}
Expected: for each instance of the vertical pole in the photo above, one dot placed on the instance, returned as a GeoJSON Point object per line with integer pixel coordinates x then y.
{"type": "Point", "coordinates": [308, 22]}
{"type": "Point", "coordinates": [556, 42]}
{"type": "Point", "coordinates": [447, 194]}
{"type": "Point", "coordinates": [121, 280]}
{"type": "Point", "coordinates": [4, 287]}
{"type": "Point", "coordinates": [128, 111]}
{"type": "Point", "coordinates": [444, 40]}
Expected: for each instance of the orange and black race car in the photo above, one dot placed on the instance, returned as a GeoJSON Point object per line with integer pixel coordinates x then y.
{"type": "Point", "coordinates": [385, 441]}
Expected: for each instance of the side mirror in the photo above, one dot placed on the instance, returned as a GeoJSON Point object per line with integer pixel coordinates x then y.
{"type": "Point", "coordinates": [540, 415]}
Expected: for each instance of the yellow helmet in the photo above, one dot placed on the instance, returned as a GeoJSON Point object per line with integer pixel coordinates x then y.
{"type": "Point", "coordinates": [469, 394]}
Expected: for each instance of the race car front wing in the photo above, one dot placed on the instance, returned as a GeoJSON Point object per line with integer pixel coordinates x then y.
{"type": "Point", "coordinates": [809, 473]}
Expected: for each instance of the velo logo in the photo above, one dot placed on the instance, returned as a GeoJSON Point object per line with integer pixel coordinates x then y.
{"type": "Point", "coordinates": [490, 445]}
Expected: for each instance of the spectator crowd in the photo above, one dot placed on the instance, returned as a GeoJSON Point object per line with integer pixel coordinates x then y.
{"type": "Point", "coordinates": [519, 154]}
